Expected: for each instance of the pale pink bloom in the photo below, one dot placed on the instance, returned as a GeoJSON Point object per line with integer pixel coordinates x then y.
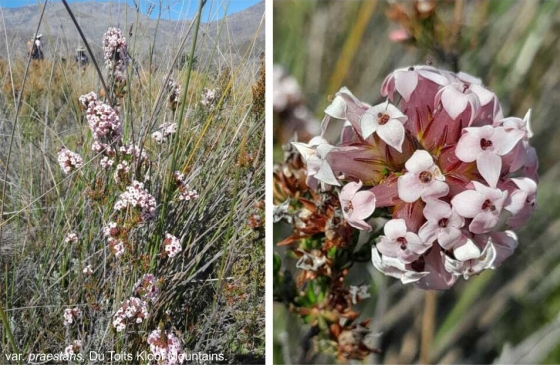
{"type": "Point", "coordinates": [315, 153]}
{"type": "Point", "coordinates": [106, 162]}
{"type": "Point", "coordinates": [472, 261]}
{"type": "Point", "coordinates": [423, 179]}
{"type": "Point", "coordinates": [208, 97]}
{"type": "Point", "coordinates": [407, 80]}
{"type": "Point", "coordinates": [443, 224]}
{"type": "Point", "coordinates": [345, 106]}
{"type": "Point", "coordinates": [357, 205]}
{"type": "Point", "coordinates": [484, 205]}
{"type": "Point", "coordinates": [438, 277]}
{"type": "Point", "coordinates": [137, 197]}
{"type": "Point", "coordinates": [485, 145]}
{"type": "Point", "coordinates": [88, 270]}
{"type": "Point", "coordinates": [521, 201]}
{"type": "Point", "coordinates": [71, 238]}
{"type": "Point", "coordinates": [74, 348]}
{"type": "Point", "coordinates": [519, 156]}
{"type": "Point", "coordinates": [387, 121]}
{"type": "Point", "coordinates": [133, 311]}
{"type": "Point", "coordinates": [172, 245]}
{"type": "Point", "coordinates": [399, 35]}
{"type": "Point", "coordinates": [116, 246]}
{"type": "Point", "coordinates": [504, 243]}
{"type": "Point", "coordinates": [103, 121]}
{"type": "Point", "coordinates": [399, 243]}
{"type": "Point", "coordinates": [69, 161]}
{"type": "Point", "coordinates": [86, 99]}
{"type": "Point", "coordinates": [456, 98]}
{"type": "Point", "coordinates": [71, 314]}
{"type": "Point", "coordinates": [395, 268]}
{"type": "Point", "coordinates": [147, 288]}
{"type": "Point", "coordinates": [166, 347]}
{"type": "Point", "coordinates": [115, 50]}
{"type": "Point", "coordinates": [490, 108]}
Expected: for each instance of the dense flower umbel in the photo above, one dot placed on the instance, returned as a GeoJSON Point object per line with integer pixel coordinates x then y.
{"type": "Point", "coordinates": [71, 314]}
{"type": "Point", "coordinates": [69, 161]}
{"type": "Point", "coordinates": [136, 196]}
{"type": "Point", "coordinates": [166, 347]}
{"type": "Point", "coordinates": [115, 50]}
{"type": "Point", "coordinates": [102, 119]}
{"type": "Point", "coordinates": [445, 165]}
{"type": "Point", "coordinates": [132, 311]}
{"type": "Point", "coordinates": [147, 288]}
{"type": "Point", "coordinates": [172, 245]}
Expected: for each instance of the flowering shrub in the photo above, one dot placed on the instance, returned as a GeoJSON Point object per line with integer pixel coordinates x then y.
{"type": "Point", "coordinates": [165, 347]}
{"type": "Point", "coordinates": [438, 159]}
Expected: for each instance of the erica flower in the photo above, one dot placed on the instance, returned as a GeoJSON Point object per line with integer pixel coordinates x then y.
{"type": "Point", "coordinates": [137, 197]}
{"type": "Point", "coordinates": [74, 348]}
{"type": "Point", "coordinates": [443, 224]}
{"type": "Point", "coordinates": [71, 238]}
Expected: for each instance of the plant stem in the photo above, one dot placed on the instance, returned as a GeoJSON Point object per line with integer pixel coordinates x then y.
{"type": "Point", "coordinates": [428, 325]}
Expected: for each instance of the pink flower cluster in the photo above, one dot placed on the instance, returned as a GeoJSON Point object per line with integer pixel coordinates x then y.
{"type": "Point", "coordinates": [102, 119]}
{"type": "Point", "coordinates": [71, 314]}
{"type": "Point", "coordinates": [71, 238]}
{"type": "Point", "coordinates": [69, 161]}
{"type": "Point", "coordinates": [111, 232]}
{"type": "Point", "coordinates": [164, 131]}
{"type": "Point", "coordinates": [166, 347]}
{"type": "Point", "coordinates": [133, 311]}
{"type": "Point", "coordinates": [172, 245]}
{"type": "Point", "coordinates": [74, 348]}
{"type": "Point", "coordinates": [136, 196]}
{"type": "Point", "coordinates": [208, 97]}
{"type": "Point", "coordinates": [440, 158]}
{"type": "Point", "coordinates": [185, 194]}
{"type": "Point", "coordinates": [147, 288]}
{"type": "Point", "coordinates": [115, 50]}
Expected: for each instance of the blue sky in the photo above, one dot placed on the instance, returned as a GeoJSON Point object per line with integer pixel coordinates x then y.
{"type": "Point", "coordinates": [171, 9]}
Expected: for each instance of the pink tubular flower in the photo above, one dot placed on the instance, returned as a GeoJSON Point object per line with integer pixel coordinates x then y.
{"type": "Point", "coordinates": [485, 145]}
{"type": "Point", "coordinates": [443, 224]}
{"type": "Point", "coordinates": [441, 162]}
{"type": "Point", "coordinates": [422, 180]}
{"type": "Point", "coordinates": [399, 243]}
{"type": "Point", "coordinates": [357, 205]}
{"type": "Point", "coordinates": [387, 121]}
{"type": "Point", "coordinates": [74, 348]}
{"type": "Point", "coordinates": [315, 153]}
{"type": "Point", "coordinates": [396, 268]}
{"type": "Point", "coordinates": [483, 204]}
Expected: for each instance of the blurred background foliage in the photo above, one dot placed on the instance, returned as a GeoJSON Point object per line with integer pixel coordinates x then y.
{"type": "Point", "coordinates": [506, 316]}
